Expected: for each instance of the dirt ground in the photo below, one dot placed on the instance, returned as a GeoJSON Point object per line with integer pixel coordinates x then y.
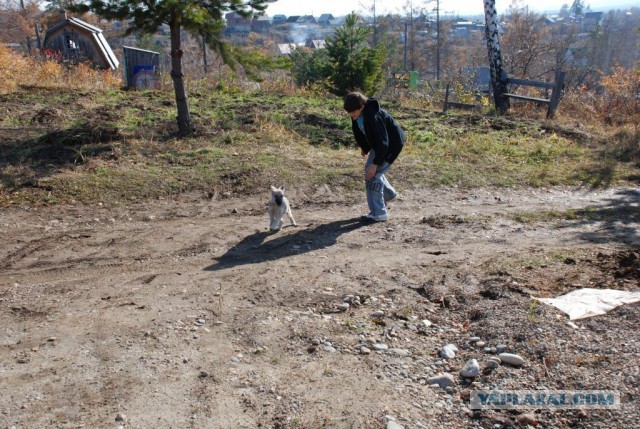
{"type": "Point", "coordinates": [188, 313]}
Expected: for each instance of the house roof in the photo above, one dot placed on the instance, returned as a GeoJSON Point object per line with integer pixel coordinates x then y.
{"type": "Point", "coordinates": [317, 44]}
{"type": "Point", "coordinates": [594, 15]}
{"type": "Point", "coordinates": [286, 48]}
{"type": "Point", "coordinates": [325, 17]}
{"type": "Point", "coordinates": [96, 34]}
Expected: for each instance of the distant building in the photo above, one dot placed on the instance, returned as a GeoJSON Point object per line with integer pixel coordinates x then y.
{"type": "Point", "coordinates": [236, 23]}
{"type": "Point", "coordinates": [78, 41]}
{"type": "Point", "coordinates": [261, 24]}
{"type": "Point", "coordinates": [279, 19]}
{"type": "Point", "coordinates": [307, 19]}
{"type": "Point", "coordinates": [316, 44]}
{"type": "Point", "coordinates": [325, 19]}
{"type": "Point", "coordinates": [286, 48]}
{"type": "Point", "coordinates": [591, 21]}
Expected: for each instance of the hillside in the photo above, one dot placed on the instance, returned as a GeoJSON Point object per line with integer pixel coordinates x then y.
{"type": "Point", "coordinates": [141, 288]}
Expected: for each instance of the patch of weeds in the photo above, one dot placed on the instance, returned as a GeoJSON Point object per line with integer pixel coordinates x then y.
{"type": "Point", "coordinates": [351, 324]}
{"type": "Point", "coordinates": [531, 314]}
{"type": "Point", "coordinates": [542, 216]}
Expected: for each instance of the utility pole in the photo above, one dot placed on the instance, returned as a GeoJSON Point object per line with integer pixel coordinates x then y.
{"type": "Point", "coordinates": [405, 46]}
{"type": "Point", "coordinates": [375, 26]}
{"type": "Point", "coordinates": [437, 39]}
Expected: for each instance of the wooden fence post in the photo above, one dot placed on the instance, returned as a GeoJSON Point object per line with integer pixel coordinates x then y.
{"type": "Point", "coordinates": [555, 94]}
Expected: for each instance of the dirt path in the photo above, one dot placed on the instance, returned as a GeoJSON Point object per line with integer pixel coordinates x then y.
{"type": "Point", "coordinates": [189, 313]}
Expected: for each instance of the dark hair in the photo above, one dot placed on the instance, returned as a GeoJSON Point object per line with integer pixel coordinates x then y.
{"type": "Point", "coordinates": [354, 101]}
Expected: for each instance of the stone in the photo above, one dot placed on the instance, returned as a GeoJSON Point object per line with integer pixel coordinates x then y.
{"type": "Point", "coordinates": [491, 364]}
{"type": "Point", "coordinates": [470, 369]}
{"type": "Point", "coordinates": [511, 359]}
{"type": "Point", "coordinates": [527, 419]}
{"type": "Point", "coordinates": [448, 351]}
{"type": "Point", "coordinates": [442, 380]}
{"type": "Point", "coordinates": [393, 425]}
{"type": "Point", "coordinates": [399, 352]}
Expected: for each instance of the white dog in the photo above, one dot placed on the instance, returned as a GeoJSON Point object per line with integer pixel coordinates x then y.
{"type": "Point", "coordinates": [278, 207]}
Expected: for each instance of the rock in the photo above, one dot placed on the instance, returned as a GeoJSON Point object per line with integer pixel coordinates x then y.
{"type": "Point", "coordinates": [380, 346]}
{"type": "Point", "coordinates": [442, 380]}
{"type": "Point", "coordinates": [470, 369]}
{"type": "Point", "coordinates": [448, 351]}
{"type": "Point", "coordinates": [491, 364]}
{"type": "Point", "coordinates": [343, 307]}
{"type": "Point", "coordinates": [474, 339]}
{"type": "Point", "coordinates": [377, 314]}
{"type": "Point", "coordinates": [400, 352]}
{"type": "Point", "coordinates": [452, 347]}
{"type": "Point", "coordinates": [501, 348]}
{"type": "Point", "coordinates": [364, 350]}
{"type": "Point", "coordinates": [480, 343]}
{"type": "Point", "coordinates": [393, 425]}
{"type": "Point", "coordinates": [527, 419]}
{"type": "Point", "coordinates": [511, 359]}
{"type": "Point", "coordinates": [427, 323]}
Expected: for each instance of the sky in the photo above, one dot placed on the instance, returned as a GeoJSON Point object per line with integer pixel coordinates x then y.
{"type": "Point", "coordinates": [447, 7]}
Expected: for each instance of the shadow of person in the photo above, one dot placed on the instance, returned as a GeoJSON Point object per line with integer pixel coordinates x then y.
{"type": "Point", "coordinates": [255, 248]}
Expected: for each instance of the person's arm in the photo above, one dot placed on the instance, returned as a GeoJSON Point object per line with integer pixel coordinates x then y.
{"type": "Point", "coordinates": [380, 137]}
{"type": "Point", "coordinates": [361, 140]}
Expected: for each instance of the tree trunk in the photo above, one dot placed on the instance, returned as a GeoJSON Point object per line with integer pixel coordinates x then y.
{"type": "Point", "coordinates": [184, 119]}
{"type": "Point", "coordinates": [498, 76]}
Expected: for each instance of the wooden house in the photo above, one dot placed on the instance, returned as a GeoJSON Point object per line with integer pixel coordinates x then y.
{"type": "Point", "coordinates": [261, 24]}
{"type": "Point", "coordinates": [316, 44]}
{"type": "Point", "coordinates": [326, 19]}
{"type": "Point", "coordinates": [286, 48]}
{"type": "Point", "coordinates": [237, 23]}
{"type": "Point", "coordinates": [78, 41]}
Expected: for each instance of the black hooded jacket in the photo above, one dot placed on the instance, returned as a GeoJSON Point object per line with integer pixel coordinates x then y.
{"type": "Point", "coordinates": [383, 134]}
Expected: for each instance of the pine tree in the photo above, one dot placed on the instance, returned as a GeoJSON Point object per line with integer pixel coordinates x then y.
{"type": "Point", "coordinates": [577, 8]}
{"type": "Point", "coordinates": [203, 18]}
{"type": "Point", "coordinates": [353, 65]}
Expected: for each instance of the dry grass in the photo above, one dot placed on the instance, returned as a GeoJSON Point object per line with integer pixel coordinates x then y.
{"type": "Point", "coordinates": [17, 70]}
{"type": "Point", "coordinates": [92, 144]}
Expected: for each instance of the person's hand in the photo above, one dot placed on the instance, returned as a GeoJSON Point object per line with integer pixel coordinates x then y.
{"type": "Point", "coordinates": [370, 172]}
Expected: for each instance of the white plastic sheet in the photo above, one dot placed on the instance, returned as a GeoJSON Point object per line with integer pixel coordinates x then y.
{"type": "Point", "coordinates": [587, 302]}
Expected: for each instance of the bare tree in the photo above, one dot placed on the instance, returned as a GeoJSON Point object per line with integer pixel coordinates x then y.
{"type": "Point", "coordinates": [526, 47]}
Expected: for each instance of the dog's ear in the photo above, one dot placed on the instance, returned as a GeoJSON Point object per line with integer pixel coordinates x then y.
{"type": "Point", "coordinates": [273, 188]}
{"type": "Point", "coordinates": [282, 188]}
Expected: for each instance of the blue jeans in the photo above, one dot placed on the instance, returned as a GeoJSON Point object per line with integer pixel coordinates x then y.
{"type": "Point", "coordinates": [379, 190]}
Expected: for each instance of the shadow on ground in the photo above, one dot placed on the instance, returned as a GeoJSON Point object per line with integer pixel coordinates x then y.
{"type": "Point", "coordinates": [253, 249]}
{"type": "Point", "coordinates": [619, 219]}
